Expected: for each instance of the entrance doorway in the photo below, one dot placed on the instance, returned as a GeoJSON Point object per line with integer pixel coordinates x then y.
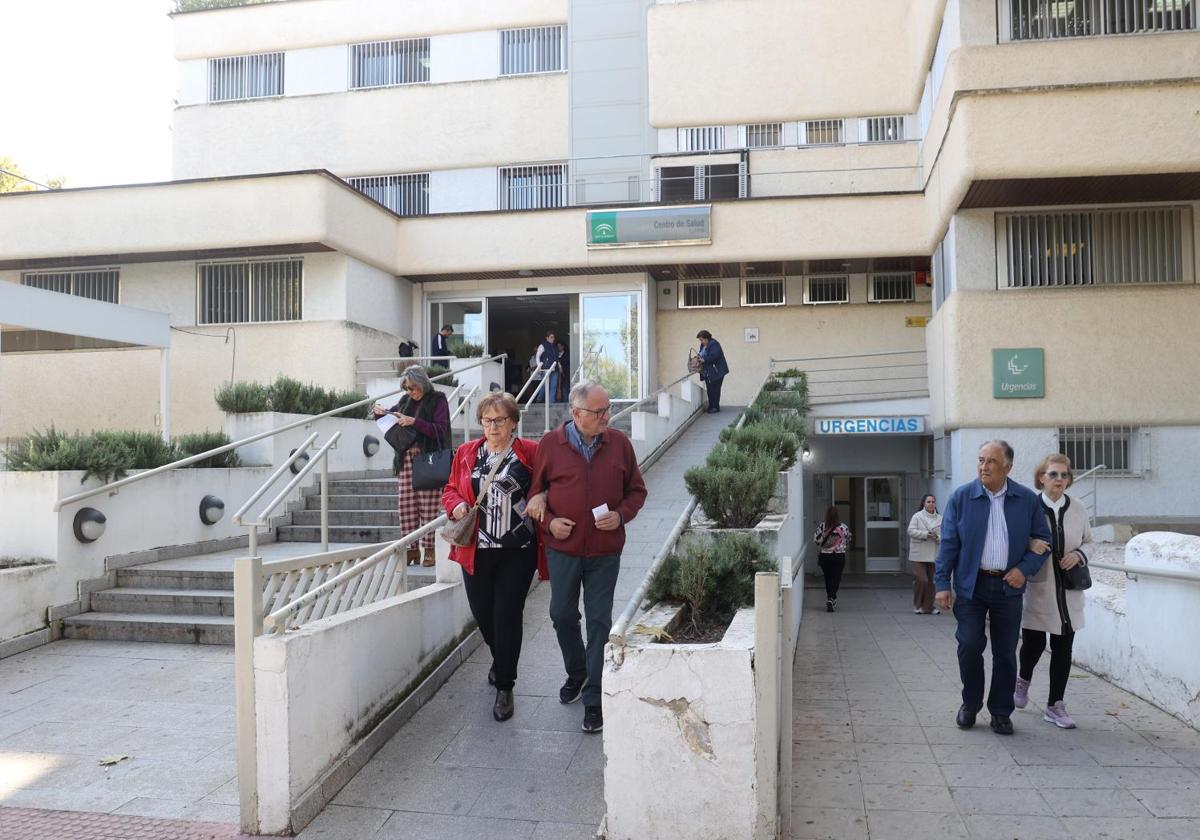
{"type": "Point", "coordinates": [516, 325]}
{"type": "Point", "coordinates": [870, 506]}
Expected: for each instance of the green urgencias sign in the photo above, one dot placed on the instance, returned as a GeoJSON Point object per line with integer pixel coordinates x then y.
{"type": "Point", "coordinates": [1018, 373]}
{"type": "Point", "coordinates": [650, 226]}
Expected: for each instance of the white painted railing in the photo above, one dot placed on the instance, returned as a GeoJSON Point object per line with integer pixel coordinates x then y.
{"type": "Point", "coordinates": [1088, 497]}
{"type": "Point", "coordinates": [321, 457]}
{"type": "Point", "coordinates": [652, 395]}
{"type": "Point", "coordinates": [860, 376]}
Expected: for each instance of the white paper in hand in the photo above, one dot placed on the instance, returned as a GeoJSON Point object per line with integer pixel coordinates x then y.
{"type": "Point", "coordinates": [386, 422]}
{"type": "Point", "coordinates": [597, 512]}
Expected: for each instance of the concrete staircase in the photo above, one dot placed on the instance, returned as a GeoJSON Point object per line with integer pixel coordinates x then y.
{"type": "Point", "coordinates": [360, 510]}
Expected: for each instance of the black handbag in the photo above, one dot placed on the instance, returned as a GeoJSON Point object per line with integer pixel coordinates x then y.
{"type": "Point", "coordinates": [431, 470]}
{"type": "Point", "coordinates": [1077, 577]}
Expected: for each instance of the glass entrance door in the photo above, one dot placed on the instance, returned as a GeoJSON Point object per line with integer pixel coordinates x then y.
{"type": "Point", "coordinates": [881, 495]}
{"type": "Point", "coordinates": [609, 342]}
{"type": "Point", "coordinates": [467, 317]}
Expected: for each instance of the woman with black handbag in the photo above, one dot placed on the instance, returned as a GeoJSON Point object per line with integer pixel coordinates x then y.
{"type": "Point", "coordinates": [1054, 596]}
{"type": "Point", "coordinates": [493, 538]}
{"type": "Point", "coordinates": [423, 416]}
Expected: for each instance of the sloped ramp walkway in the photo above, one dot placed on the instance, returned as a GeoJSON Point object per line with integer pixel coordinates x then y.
{"type": "Point", "coordinates": [453, 772]}
{"type": "Point", "coordinates": [877, 754]}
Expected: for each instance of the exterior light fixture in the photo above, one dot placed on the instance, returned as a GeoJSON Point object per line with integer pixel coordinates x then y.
{"type": "Point", "coordinates": [299, 463]}
{"type": "Point", "coordinates": [805, 453]}
{"type": "Point", "coordinates": [211, 510]}
{"type": "Point", "coordinates": [88, 525]}
{"type": "Point", "coordinates": [370, 445]}
{"type": "Point", "coordinates": [525, 272]}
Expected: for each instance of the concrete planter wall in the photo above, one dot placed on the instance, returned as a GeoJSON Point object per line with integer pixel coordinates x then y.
{"type": "Point", "coordinates": [273, 451]}
{"type": "Point", "coordinates": [25, 592]}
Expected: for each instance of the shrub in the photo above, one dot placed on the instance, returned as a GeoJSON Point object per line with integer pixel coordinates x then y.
{"type": "Point", "coordinates": [463, 350]}
{"type": "Point", "coordinates": [768, 438]}
{"type": "Point", "coordinates": [734, 487]}
{"type": "Point", "coordinates": [202, 442]}
{"type": "Point", "coordinates": [109, 455]}
{"type": "Point", "coordinates": [790, 373]}
{"type": "Point", "coordinates": [438, 370]}
{"type": "Point", "coordinates": [714, 578]}
{"type": "Point", "coordinates": [243, 397]}
{"type": "Point", "coordinates": [285, 395]}
{"type": "Point", "coordinates": [788, 400]}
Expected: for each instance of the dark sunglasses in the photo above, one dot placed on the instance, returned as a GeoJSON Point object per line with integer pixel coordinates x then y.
{"type": "Point", "coordinates": [1054, 475]}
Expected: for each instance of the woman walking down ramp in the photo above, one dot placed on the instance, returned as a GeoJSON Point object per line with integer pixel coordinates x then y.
{"type": "Point", "coordinates": [1053, 599]}
{"type": "Point", "coordinates": [833, 537]}
{"type": "Point", "coordinates": [924, 534]}
{"type": "Point", "coordinates": [494, 472]}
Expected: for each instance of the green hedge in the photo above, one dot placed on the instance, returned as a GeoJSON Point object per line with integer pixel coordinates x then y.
{"type": "Point", "coordinates": [734, 486]}
{"type": "Point", "coordinates": [285, 395]}
{"type": "Point", "coordinates": [463, 350]}
{"type": "Point", "coordinates": [768, 437]}
{"type": "Point", "coordinates": [109, 455]}
{"type": "Point", "coordinates": [714, 578]}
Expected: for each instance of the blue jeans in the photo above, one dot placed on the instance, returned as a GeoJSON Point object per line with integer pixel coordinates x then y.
{"type": "Point", "coordinates": [990, 598]}
{"type": "Point", "coordinates": [550, 379]}
{"type": "Point", "coordinates": [598, 578]}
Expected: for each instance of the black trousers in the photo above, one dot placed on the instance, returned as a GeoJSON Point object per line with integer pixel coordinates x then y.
{"type": "Point", "coordinates": [1033, 645]}
{"type": "Point", "coordinates": [832, 565]}
{"type": "Point", "coordinates": [713, 386]}
{"type": "Point", "coordinates": [496, 593]}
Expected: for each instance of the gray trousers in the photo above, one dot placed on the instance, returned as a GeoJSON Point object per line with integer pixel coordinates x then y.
{"type": "Point", "coordinates": [598, 578]}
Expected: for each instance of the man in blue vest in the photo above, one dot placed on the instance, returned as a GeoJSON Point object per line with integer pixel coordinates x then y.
{"type": "Point", "coordinates": [986, 529]}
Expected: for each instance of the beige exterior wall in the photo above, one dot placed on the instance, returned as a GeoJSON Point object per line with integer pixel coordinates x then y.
{"type": "Point", "coordinates": [857, 168]}
{"type": "Point", "coordinates": [312, 23]}
{"type": "Point", "coordinates": [763, 60]}
{"type": "Point", "coordinates": [370, 132]}
{"type": "Point", "coordinates": [1113, 355]}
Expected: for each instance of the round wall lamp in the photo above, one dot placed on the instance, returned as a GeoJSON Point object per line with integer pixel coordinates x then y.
{"type": "Point", "coordinates": [88, 525]}
{"type": "Point", "coordinates": [299, 463]}
{"type": "Point", "coordinates": [212, 510]}
{"type": "Point", "coordinates": [370, 445]}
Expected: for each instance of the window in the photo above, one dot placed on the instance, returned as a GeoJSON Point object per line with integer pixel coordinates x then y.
{"type": "Point", "coordinates": [699, 294]}
{"type": "Point", "coordinates": [245, 77]}
{"type": "Point", "coordinates": [1095, 247]}
{"type": "Point", "coordinates": [1114, 447]}
{"type": "Point", "coordinates": [891, 288]}
{"type": "Point", "coordinates": [764, 135]}
{"type": "Point", "coordinates": [384, 63]}
{"type": "Point", "coordinates": [822, 132]}
{"type": "Point", "coordinates": [827, 289]}
{"type": "Point", "coordinates": [701, 183]}
{"type": "Point", "coordinates": [763, 291]}
{"type": "Point", "coordinates": [1033, 20]}
{"type": "Point", "coordinates": [884, 129]}
{"type": "Point", "coordinates": [249, 291]}
{"type": "Point", "coordinates": [533, 187]}
{"type": "Point", "coordinates": [538, 49]}
{"type": "Point", "coordinates": [405, 195]}
{"type": "Point", "coordinates": [98, 284]}
{"type": "Point", "coordinates": [703, 139]}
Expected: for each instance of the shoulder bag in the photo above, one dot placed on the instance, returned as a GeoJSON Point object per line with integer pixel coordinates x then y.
{"type": "Point", "coordinates": [461, 532]}
{"type": "Point", "coordinates": [1077, 577]}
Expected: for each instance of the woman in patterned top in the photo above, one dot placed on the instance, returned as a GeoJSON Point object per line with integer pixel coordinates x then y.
{"type": "Point", "coordinates": [498, 568]}
{"type": "Point", "coordinates": [834, 538]}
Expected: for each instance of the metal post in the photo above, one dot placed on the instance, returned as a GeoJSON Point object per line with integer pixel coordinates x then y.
{"type": "Point", "coordinates": [467, 422]}
{"type": "Point", "coordinates": [767, 666]}
{"type": "Point", "coordinates": [164, 392]}
{"type": "Point", "coordinates": [247, 626]}
{"type": "Point", "coordinates": [325, 502]}
{"type": "Point", "coordinates": [546, 389]}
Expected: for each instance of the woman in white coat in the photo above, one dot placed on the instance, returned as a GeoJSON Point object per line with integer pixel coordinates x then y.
{"type": "Point", "coordinates": [924, 536]}
{"type": "Point", "coordinates": [1049, 606]}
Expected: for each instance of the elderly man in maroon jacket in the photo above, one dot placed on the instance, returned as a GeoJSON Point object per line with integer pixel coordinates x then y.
{"type": "Point", "coordinates": [592, 487]}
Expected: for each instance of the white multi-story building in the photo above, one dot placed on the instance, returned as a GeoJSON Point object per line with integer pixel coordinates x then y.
{"type": "Point", "coordinates": [929, 190]}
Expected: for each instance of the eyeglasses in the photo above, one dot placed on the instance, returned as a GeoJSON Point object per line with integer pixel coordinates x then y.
{"type": "Point", "coordinates": [413, 389]}
{"type": "Point", "coordinates": [1055, 476]}
{"type": "Point", "coordinates": [599, 412]}
{"type": "Point", "coordinates": [494, 422]}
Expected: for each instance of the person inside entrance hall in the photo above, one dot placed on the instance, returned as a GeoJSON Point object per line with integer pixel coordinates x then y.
{"type": "Point", "coordinates": [546, 362]}
{"type": "Point", "coordinates": [985, 550]}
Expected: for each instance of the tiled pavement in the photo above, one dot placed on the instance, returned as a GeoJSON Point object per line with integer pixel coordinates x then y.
{"type": "Point", "coordinates": [877, 754]}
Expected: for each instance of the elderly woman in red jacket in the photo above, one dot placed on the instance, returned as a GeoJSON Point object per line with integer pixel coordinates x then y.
{"type": "Point", "coordinates": [498, 568]}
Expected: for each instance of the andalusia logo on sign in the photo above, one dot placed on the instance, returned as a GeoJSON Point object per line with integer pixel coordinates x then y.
{"type": "Point", "coordinates": [603, 228]}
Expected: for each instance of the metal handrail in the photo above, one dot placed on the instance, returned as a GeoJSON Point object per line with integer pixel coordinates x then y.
{"type": "Point", "coordinates": [297, 453]}
{"type": "Point", "coordinates": [114, 486]}
{"type": "Point", "coordinates": [1133, 571]}
{"type": "Point", "coordinates": [1093, 473]}
{"type": "Point", "coordinates": [613, 418]}
{"type": "Point", "coordinates": [321, 456]}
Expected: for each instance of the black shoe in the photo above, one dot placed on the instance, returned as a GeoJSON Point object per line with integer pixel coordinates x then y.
{"type": "Point", "coordinates": [492, 675]}
{"type": "Point", "coordinates": [593, 719]}
{"type": "Point", "coordinates": [503, 709]}
{"type": "Point", "coordinates": [830, 604]}
{"type": "Point", "coordinates": [1002, 724]}
{"type": "Point", "coordinates": [571, 690]}
{"type": "Point", "coordinates": [966, 717]}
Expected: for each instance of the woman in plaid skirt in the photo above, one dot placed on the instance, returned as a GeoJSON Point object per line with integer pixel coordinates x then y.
{"type": "Point", "coordinates": [427, 412]}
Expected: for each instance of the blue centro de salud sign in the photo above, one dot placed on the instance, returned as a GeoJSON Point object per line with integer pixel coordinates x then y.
{"type": "Point", "coordinates": [870, 425]}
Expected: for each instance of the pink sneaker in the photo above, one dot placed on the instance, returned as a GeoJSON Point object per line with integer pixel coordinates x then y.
{"type": "Point", "coordinates": [1021, 695]}
{"type": "Point", "coordinates": [1057, 714]}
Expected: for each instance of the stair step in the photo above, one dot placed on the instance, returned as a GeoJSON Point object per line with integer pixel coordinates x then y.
{"type": "Point", "coordinates": [348, 517]}
{"type": "Point", "coordinates": [210, 602]}
{"type": "Point", "coordinates": [340, 533]}
{"type": "Point", "coordinates": [146, 577]}
{"type": "Point", "coordinates": [383, 501]}
{"type": "Point", "coordinates": [361, 487]}
{"type": "Point", "coordinates": [139, 627]}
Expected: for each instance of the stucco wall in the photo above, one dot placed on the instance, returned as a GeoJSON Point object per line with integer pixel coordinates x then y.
{"type": "Point", "coordinates": [378, 300]}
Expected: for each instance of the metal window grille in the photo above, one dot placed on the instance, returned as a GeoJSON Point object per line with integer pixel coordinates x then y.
{"type": "Point", "coordinates": [702, 138]}
{"type": "Point", "coordinates": [894, 287]}
{"type": "Point", "coordinates": [250, 291]}
{"type": "Point", "coordinates": [763, 291]}
{"type": "Point", "coordinates": [699, 294]}
{"type": "Point", "coordinates": [1116, 447]}
{"type": "Point", "coordinates": [102, 284]}
{"type": "Point", "coordinates": [537, 49]}
{"type": "Point", "coordinates": [406, 195]}
{"type": "Point", "coordinates": [1097, 247]}
{"type": "Point", "coordinates": [533, 187]}
{"type": "Point", "coordinates": [827, 289]}
{"type": "Point", "coordinates": [823, 132]}
{"type": "Point", "coordinates": [1037, 20]}
{"type": "Point", "coordinates": [885, 129]}
{"type": "Point", "coordinates": [385, 63]}
{"type": "Point", "coordinates": [764, 135]}
{"type": "Point", "coordinates": [245, 77]}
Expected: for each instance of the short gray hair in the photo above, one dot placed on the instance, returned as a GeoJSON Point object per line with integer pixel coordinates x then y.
{"type": "Point", "coordinates": [579, 392]}
{"type": "Point", "coordinates": [416, 375]}
{"type": "Point", "coordinates": [1003, 444]}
